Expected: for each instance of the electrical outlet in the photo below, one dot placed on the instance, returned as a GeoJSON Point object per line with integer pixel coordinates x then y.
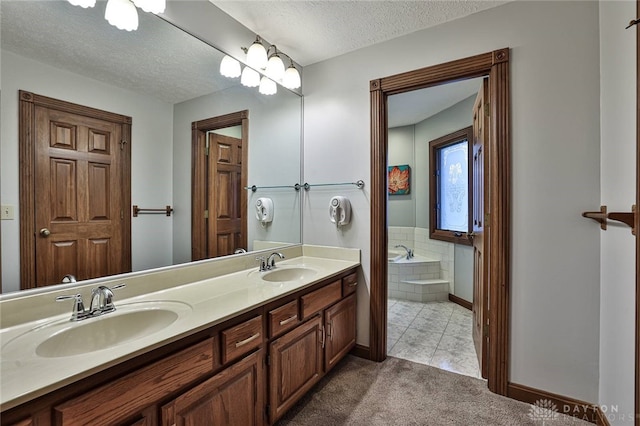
{"type": "Point", "coordinates": [6, 212]}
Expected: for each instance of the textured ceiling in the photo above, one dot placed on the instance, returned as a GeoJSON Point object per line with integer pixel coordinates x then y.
{"type": "Point", "coordinates": [158, 59]}
{"type": "Point", "coordinates": [312, 31]}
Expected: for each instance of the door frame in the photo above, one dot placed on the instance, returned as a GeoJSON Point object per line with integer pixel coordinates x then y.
{"type": "Point", "coordinates": [199, 129]}
{"type": "Point", "coordinates": [494, 64]}
{"type": "Point", "coordinates": [26, 154]}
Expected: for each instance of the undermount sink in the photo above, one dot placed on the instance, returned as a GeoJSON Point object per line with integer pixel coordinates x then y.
{"type": "Point", "coordinates": [127, 323]}
{"type": "Point", "coordinates": [289, 274]}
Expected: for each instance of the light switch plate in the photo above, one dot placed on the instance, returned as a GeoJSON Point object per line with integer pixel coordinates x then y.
{"type": "Point", "coordinates": [6, 212]}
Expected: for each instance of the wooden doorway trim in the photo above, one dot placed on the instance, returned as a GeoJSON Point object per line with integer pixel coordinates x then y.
{"type": "Point", "coordinates": [637, 223]}
{"type": "Point", "coordinates": [199, 131]}
{"type": "Point", "coordinates": [26, 140]}
{"type": "Point", "coordinates": [495, 65]}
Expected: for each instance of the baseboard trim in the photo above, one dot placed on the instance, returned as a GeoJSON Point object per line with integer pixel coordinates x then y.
{"type": "Point", "coordinates": [565, 405]}
{"type": "Point", "coordinates": [601, 419]}
{"type": "Point", "coordinates": [460, 301]}
{"type": "Point", "coordinates": [361, 351]}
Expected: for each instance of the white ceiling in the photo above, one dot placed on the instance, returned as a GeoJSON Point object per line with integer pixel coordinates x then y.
{"type": "Point", "coordinates": [164, 62]}
{"type": "Point", "coordinates": [312, 31]}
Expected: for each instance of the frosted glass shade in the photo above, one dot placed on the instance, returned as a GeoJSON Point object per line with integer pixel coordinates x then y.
{"type": "Point", "coordinates": [151, 6]}
{"type": "Point", "coordinates": [291, 78]}
{"type": "Point", "coordinates": [229, 67]}
{"type": "Point", "coordinates": [83, 3]}
{"type": "Point", "coordinates": [267, 86]}
{"type": "Point", "coordinates": [257, 56]}
{"type": "Point", "coordinates": [250, 78]}
{"type": "Point", "coordinates": [122, 14]}
{"type": "Point", "coordinates": [275, 67]}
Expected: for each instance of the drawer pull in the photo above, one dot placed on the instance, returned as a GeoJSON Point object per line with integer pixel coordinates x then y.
{"type": "Point", "coordinates": [353, 284]}
{"type": "Point", "coordinates": [247, 340]}
{"type": "Point", "coordinates": [288, 320]}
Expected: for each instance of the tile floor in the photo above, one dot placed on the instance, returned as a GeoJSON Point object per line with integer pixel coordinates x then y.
{"type": "Point", "coordinates": [434, 333]}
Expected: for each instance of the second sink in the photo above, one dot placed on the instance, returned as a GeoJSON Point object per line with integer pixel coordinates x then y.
{"type": "Point", "coordinates": [289, 274]}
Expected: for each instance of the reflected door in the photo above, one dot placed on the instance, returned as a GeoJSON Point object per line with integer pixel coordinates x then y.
{"type": "Point", "coordinates": [228, 226]}
{"type": "Point", "coordinates": [480, 269]}
{"type": "Point", "coordinates": [79, 211]}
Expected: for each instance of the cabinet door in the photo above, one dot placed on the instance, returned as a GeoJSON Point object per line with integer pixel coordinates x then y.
{"type": "Point", "coordinates": [235, 396]}
{"type": "Point", "coordinates": [340, 325]}
{"type": "Point", "coordinates": [295, 365]}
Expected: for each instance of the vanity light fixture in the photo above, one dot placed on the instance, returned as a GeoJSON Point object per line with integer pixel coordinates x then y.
{"type": "Point", "coordinates": [123, 14]}
{"type": "Point", "coordinates": [83, 3]}
{"type": "Point", "coordinates": [291, 78]}
{"type": "Point", "coordinates": [250, 77]}
{"type": "Point", "coordinates": [230, 67]}
{"type": "Point", "coordinates": [267, 86]}
{"type": "Point", "coordinates": [257, 55]}
{"type": "Point", "coordinates": [273, 68]}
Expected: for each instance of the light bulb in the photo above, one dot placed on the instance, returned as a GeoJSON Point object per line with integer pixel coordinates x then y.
{"type": "Point", "coordinates": [267, 86]}
{"type": "Point", "coordinates": [250, 77]}
{"type": "Point", "coordinates": [291, 79]}
{"type": "Point", "coordinates": [275, 67]}
{"type": "Point", "coordinates": [229, 67]}
{"type": "Point", "coordinates": [122, 14]}
{"type": "Point", "coordinates": [151, 6]}
{"type": "Point", "coordinates": [257, 55]}
{"type": "Point", "coordinates": [83, 3]}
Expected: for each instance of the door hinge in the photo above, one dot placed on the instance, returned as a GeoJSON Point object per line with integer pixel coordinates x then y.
{"type": "Point", "coordinates": [121, 214]}
{"type": "Point", "coordinates": [487, 109]}
{"type": "Point", "coordinates": [206, 214]}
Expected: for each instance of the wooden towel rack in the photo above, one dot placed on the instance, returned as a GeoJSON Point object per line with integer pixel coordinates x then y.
{"type": "Point", "coordinates": [602, 216]}
{"type": "Point", "coordinates": [137, 210]}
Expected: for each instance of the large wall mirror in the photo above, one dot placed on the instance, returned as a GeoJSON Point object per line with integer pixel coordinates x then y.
{"type": "Point", "coordinates": [165, 80]}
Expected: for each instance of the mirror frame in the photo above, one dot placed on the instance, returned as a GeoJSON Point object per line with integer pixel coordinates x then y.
{"type": "Point", "coordinates": [494, 64]}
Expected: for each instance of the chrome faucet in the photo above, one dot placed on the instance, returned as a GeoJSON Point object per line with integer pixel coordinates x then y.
{"type": "Point", "coordinates": [407, 249]}
{"type": "Point", "coordinates": [101, 303]}
{"type": "Point", "coordinates": [271, 260]}
{"type": "Point", "coordinates": [262, 263]}
{"type": "Point", "coordinates": [239, 250]}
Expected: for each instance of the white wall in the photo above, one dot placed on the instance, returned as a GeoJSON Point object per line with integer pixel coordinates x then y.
{"type": "Point", "coordinates": [618, 180]}
{"type": "Point", "coordinates": [555, 133]}
{"type": "Point", "coordinates": [401, 209]}
{"type": "Point", "coordinates": [150, 155]}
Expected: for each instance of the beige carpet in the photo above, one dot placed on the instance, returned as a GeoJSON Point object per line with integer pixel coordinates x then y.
{"type": "Point", "coordinates": [398, 392]}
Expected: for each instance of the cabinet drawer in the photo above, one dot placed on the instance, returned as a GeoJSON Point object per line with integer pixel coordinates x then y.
{"type": "Point", "coordinates": [283, 318]}
{"type": "Point", "coordinates": [124, 397]}
{"type": "Point", "coordinates": [349, 284]}
{"type": "Point", "coordinates": [242, 338]}
{"type": "Point", "coordinates": [321, 298]}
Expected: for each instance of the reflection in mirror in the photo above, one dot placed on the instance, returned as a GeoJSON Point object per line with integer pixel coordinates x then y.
{"type": "Point", "coordinates": [164, 79]}
{"type": "Point", "coordinates": [415, 118]}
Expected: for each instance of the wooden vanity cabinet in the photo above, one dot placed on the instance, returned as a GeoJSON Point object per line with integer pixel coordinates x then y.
{"type": "Point", "coordinates": [248, 370]}
{"type": "Point", "coordinates": [340, 329]}
{"type": "Point", "coordinates": [233, 397]}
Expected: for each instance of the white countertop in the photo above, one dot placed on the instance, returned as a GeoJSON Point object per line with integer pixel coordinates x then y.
{"type": "Point", "coordinates": [24, 375]}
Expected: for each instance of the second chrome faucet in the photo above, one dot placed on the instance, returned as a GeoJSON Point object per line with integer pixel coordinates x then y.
{"type": "Point", "coordinates": [270, 262]}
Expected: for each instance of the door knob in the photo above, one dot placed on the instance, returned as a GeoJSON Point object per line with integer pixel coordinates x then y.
{"type": "Point", "coordinates": [45, 232]}
{"type": "Point", "coordinates": [470, 235]}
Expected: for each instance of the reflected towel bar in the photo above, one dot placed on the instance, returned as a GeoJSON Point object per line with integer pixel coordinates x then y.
{"type": "Point", "coordinates": [137, 210]}
{"type": "Point", "coordinates": [602, 216]}
{"type": "Point", "coordinates": [359, 184]}
{"type": "Point", "coordinates": [306, 186]}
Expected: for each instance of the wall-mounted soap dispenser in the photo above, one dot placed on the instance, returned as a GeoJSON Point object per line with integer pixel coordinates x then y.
{"type": "Point", "coordinates": [264, 210]}
{"type": "Point", "coordinates": [340, 210]}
